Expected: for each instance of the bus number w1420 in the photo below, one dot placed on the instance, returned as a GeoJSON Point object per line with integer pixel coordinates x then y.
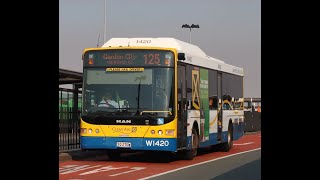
{"type": "Point", "coordinates": [157, 143]}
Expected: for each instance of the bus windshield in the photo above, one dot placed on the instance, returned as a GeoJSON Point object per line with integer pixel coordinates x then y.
{"type": "Point", "coordinates": [147, 91]}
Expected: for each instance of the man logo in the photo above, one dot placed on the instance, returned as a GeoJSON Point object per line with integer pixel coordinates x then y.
{"type": "Point", "coordinates": [134, 129]}
{"type": "Point", "coordinates": [127, 121]}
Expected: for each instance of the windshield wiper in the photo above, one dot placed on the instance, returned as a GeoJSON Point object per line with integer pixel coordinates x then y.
{"type": "Point", "coordinates": [139, 89]}
{"type": "Point", "coordinates": [138, 112]}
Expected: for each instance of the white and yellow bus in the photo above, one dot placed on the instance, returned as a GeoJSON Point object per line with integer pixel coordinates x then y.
{"type": "Point", "coordinates": [168, 96]}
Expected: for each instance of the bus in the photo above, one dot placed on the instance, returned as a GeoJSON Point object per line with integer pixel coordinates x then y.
{"type": "Point", "coordinates": [170, 98]}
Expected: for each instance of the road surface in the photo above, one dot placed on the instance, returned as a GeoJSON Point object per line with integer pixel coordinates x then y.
{"type": "Point", "coordinates": [242, 160]}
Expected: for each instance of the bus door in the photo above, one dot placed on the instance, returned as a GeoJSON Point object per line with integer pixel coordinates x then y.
{"type": "Point", "coordinates": [219, 135]}
{"type": "Point", "coordinates": [182, 107]}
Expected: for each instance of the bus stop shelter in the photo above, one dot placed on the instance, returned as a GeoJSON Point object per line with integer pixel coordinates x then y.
{"type": "Point", "coordinates": [69, 77]}
{"type": "Point", "coordinates": [69, 109]}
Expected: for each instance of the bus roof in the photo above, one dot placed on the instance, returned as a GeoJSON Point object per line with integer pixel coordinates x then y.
{"type": "Point", "coordinates": [191, 51]}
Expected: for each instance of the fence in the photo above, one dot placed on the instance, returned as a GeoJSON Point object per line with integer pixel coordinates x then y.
{"type": "Point", "coordinates": [69, 124]}
{"type": "Point", "coordinates": [252, 121]}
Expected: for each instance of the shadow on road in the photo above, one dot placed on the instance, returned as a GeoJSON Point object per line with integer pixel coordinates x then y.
{"type": "Point", "coordinates": [250, 171]}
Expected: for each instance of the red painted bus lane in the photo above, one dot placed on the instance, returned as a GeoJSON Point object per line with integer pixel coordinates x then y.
{"type": "Point", "coordinates": [105, 169]}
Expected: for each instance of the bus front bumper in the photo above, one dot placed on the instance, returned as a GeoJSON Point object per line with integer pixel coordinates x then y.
{"type": "Point", "coordinates": [155, 144]}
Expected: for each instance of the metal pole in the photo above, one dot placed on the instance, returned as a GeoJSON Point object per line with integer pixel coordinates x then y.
{"type": "Point", "coordinates": [105, 19]}
{"type": "Point", "coordinates": [190, 27]}
{"type": "Point", "coordinates": [190, 35]}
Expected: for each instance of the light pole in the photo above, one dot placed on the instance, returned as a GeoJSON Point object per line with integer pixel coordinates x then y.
{"type": "Point", "coordinates": [105, 19]}
{"type": "Point", "coordinates": [190, 27]}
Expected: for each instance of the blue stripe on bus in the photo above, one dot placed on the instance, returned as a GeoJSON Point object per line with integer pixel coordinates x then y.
{"type": "Point", "coordinates": [212, 140]}
{"type": "Point", "coordinates": [238, 130]}
{"type": "Point", "coordinates": [158, 144]}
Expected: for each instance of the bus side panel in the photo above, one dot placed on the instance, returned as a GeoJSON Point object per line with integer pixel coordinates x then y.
{"type": "Point", "coordinates": [238, 126]}
{"type": "Point", "coordinates": [237, 122]}
{"type": "Point", "coordinates": [237, 130]}
{"type": "Point", "coordinates": [213, 129]}
{"type": "Point", "coordinates": [194, 116]}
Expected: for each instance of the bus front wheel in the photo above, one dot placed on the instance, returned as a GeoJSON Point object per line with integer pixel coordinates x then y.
{"type": "Point", "coordinates": [190, 154]}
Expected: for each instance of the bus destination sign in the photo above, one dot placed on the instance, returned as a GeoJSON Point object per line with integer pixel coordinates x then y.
{"type": "Point", "coordinates": [129, 58]}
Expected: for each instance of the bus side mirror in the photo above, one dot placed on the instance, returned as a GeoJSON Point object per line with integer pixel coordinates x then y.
{"type": "Point", "coordinates": [181, 56]}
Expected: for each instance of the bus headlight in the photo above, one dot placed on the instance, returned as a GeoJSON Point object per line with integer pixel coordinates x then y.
{"type": "Point", "coordinates": [97, 131]}
{"type": "Point", "coordinates": [83, 130]}
{"type": "Point", "coordinates": [160, 132]}
{"type": "Point", "coordinates": [89, 131]}
{"type": "Point", "coordinates": [152, 131]}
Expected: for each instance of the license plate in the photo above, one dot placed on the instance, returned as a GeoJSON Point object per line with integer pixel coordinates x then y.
{"type": "Point", "coordinates": [124, 144]}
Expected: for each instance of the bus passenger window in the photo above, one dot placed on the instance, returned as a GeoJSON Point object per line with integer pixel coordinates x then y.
{"type": "Point", "coordinates": [188, 104]}
{"type": "Point", "coordinates": [213, 102]}
{"type": "Point", "coordinates": [210, 103]}
{"type": "Point", "coordinates": [226, 106]}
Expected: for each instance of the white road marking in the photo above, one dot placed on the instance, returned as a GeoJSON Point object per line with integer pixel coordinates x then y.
{"type": "Point", "coordinates": [243, 144]}
{"type": "Point", "coordinates": [74, 168]}
{"type": "Point", "coordinates": [102, 169]}
{"type": "Point", "coordinates": [134, 169]}
{"type": "Point", "coordinates": [196, 164]}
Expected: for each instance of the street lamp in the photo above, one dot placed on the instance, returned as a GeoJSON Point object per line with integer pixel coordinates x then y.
{"type": "Point", "coordinates": [105, 23]}
{"type": "Point", "coordinates": [190, 27]}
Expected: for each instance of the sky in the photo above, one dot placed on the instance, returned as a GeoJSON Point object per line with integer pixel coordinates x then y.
{"type": "Point", "coordinates": [230, 30]}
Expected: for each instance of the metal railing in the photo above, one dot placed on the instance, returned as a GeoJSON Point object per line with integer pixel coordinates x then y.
{"type": "Point", "coordinates": [69, 121]}
{"type": "Point", "coordinates": [252, 121]}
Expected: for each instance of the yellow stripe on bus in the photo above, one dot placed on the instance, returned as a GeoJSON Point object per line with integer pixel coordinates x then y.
{"type": "Point", "coordinates": [215, 118]}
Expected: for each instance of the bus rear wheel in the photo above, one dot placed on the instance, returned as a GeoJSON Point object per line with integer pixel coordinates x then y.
{"type": "Point", "coordinates": [228, 145]}
{"type": "Point", "coordinates": [190, 154]}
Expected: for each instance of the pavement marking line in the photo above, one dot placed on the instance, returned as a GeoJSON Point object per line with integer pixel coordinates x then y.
{"type": "Point", "coordinates": [243, 144]}
{"type": "Point", "coordinates": [196, 164]}
{"type": "Point", "coordinates": [134, 169]}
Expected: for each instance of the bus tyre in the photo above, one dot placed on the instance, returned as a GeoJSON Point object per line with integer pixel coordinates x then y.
{"type": "Point", "coordinates": [228, 145]}
{"type": "Point", "coordinates": [113, 155]}
{"type": "Point", "coordinates": [189, 154]}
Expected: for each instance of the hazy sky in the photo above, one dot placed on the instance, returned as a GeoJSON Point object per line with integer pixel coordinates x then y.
{"type": "Point", "coordinates": [230, 30]}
